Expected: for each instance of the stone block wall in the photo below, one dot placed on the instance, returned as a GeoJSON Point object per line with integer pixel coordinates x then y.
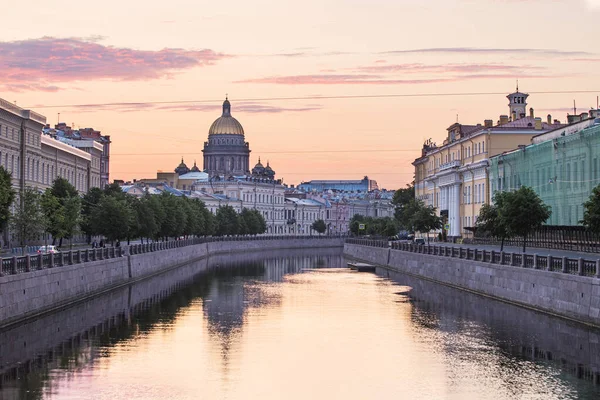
{"type": "Point", "coordinates": [571, 296]}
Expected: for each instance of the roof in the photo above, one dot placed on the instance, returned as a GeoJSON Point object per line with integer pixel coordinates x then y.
{"type": "Point", "coordinates": [528, 123]}
{"type": "Point", "coordinates": [197, 176]}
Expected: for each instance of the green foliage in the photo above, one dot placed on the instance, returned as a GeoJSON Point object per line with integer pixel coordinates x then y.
{"type": "Point", "coordinates": [7, 196]}
{"type": "Point", "coordinates": [374, 226]}
{"type": "Point", "coordinates": [522, 212]}
{"type": "Point", "coordinates": [62, 207]}
{"type": "Point", "coordinates": [252, 222]}
{"type": "Point", "coordinates": [401, 200]}
{"type": "Point", "coordinates": [591, 213]}
{"type": "Point", "coordinates": [228, 221]}
{"type": "Point", "coordinates": [112, 218]}
{"type": "Point", "coordinates": [422, 218]}
{"type": "Point", "coordinates": [319, 226]}
{"type": "Point", "coordinates": [28, 222]}
{"type": "Point", "coordinates": [517, 213]}
{"type": "Point", "coordinates": [89, 202]}
{"type": "Point", "coordinates": [489, 222]}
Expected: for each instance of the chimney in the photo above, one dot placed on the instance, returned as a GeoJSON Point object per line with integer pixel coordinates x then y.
{"type": "Point", "coordinates": [531, 113]}
{"type": "Point", "coordinates": [538, 124]}
{"type": "Point", "coordinates": [514, 115]}
{"type": "Point", "coordinates": [503, 119]}
{"type": "Point", "coordinates": [549, 119]}
{"type": "Point", "coordinates": [556, 122]}
{"type": "Point", "coordinates": [594, 114]}
{"type": "Point", "coordinates": [571, 119]}
{"type": "Point", "coordinates": [488, 123]}
{"type": "Point", "coordinates": [583, 116]}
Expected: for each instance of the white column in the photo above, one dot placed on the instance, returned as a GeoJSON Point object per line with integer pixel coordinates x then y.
{"type": "Point", "coordinates": [454, 211]}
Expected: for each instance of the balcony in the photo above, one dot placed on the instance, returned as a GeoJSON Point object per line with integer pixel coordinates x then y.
{"type": "Point", "coordinates": [450, 165]}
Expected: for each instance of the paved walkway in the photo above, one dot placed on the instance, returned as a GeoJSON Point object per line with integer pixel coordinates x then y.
{"type": "Point", "coordinates": [529, 250]}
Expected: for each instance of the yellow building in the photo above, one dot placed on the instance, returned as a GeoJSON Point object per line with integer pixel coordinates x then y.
{"type": "Point", "coordinates": [454, 177]}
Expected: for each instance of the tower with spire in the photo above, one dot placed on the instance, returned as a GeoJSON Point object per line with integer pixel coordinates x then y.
{"type": "Point", "coordinates": [517, 104]}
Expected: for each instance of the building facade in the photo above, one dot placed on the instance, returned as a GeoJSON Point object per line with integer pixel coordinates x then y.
{"type": "Point", "coordinates": [454, 177]}
{"type": "Point", "coordinates": [363, 185]}
{"type": "Point", "coordinates": [36, 159]}
{"type": "Point", "coordinates": [561, 166]}
{"type": "Point", "coordinates": [89, 140]}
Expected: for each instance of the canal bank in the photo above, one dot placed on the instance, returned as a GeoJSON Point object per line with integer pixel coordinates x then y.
{"type": "Point", "coordinates": [561, 294]}
{"type": "Point", "coordinates": [42, 286]}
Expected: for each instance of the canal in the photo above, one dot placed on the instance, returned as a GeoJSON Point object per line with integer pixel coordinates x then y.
{"type": "Point", "coordinates": [296, 325]}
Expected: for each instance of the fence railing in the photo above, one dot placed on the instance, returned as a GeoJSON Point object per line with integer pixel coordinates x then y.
{"type": "Point", "coordinates": [566, 265]}
{"type": "Point", "coordinates": [32, 262]}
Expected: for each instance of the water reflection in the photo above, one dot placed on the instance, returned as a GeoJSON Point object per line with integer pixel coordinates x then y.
{"type": "Point", "coordinates": [294, 324]}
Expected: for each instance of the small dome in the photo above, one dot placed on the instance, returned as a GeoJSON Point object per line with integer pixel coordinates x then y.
{"type": "Point", "coordinates": [226, 124]}
{"type": "Point", "coordinates": [195, 168]}
{"type": "Point", "coordinates": [259, 164]}
{"type": "Point", "coordinates": [182, 168]}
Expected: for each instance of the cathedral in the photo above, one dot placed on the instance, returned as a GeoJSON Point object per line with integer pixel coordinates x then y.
{"type": "Point", "coordinates": [226, 153]}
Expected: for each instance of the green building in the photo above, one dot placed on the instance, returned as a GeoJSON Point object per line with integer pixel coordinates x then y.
{"type": "Point", "coordinates": [562, 166]}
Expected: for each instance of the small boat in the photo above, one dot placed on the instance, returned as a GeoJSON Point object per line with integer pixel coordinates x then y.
{"type": "Point", "coordinates": [361, 267]}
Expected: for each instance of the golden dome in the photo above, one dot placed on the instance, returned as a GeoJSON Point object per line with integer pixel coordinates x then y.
{"type": "Point", "coordinates": [226, 124]}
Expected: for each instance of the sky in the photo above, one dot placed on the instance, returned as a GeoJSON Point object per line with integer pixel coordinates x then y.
{"type": "Point", "coordinates": [325, 89]}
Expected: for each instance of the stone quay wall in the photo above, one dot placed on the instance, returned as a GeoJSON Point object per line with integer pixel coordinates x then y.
{"type": "Point", "coordinates": [36, 289]}
{"type": "Point", "coordinates": [565, 295]}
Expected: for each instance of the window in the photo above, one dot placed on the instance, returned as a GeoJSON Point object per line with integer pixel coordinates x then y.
{"type": "Point", "coordinates": [483, 146]}
{"type": "Point", "coordinates": [483, 192]}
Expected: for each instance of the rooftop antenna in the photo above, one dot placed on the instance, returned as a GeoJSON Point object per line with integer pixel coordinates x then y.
{"type": "Point", "coordinates": [517, 86]}
{"type": "Point", "coordinates": [574, 108]}
{"type": "Point", "coordinates": [58, 122]}
{"type": "Point", "coordinates": [457, 118]}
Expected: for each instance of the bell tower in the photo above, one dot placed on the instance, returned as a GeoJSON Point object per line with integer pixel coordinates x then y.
{"type": "Point", "coordinates": [517, 104]}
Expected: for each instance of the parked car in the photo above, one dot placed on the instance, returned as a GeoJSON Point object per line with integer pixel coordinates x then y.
{"type": "Point", "coordinates": [47, 250]}
{"type": "Point", "coordinates": [420, 241]}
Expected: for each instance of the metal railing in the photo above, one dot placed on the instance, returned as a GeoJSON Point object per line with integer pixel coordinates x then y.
{"type": "Point", "coordinates": [566, 265]}
{"type": "Point", "coordinates": [31, 262]}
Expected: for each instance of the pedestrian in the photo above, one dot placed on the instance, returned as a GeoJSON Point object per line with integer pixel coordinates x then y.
{"type": "Point", "coordinates": [118, 243]}
{"type": "Point", "coordinates": [101, 243]}
{"type": "Point", "coordinates": [94, 244]}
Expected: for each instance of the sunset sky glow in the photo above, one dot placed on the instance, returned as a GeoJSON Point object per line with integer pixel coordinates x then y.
{"type": "Point", "coordinates": [153, 75]}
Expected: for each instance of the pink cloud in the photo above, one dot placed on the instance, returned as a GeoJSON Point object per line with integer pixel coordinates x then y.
{"type": "Point", "coordinates": [373, 79]}
{"type": "Point", "coordinates": [242, 107]}
{"type": "Point", "coordinates": [446, 68]}
{"type": "Point", "coordinates": [337, 79]}
{"type": "Point", "coordinates": [40, 63]}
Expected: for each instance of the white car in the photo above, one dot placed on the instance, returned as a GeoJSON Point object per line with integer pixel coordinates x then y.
{"type": "Point", "coordinates": [47, 250]}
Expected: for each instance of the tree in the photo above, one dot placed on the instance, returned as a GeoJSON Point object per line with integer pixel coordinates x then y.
{"type": "Point", "coordinates": [112, 218]}
{"type": "Point", "coordinates": [7, 196]}
{"type": "Point", "coordinates": [401, 200]}
{"type": "Point", "coordinates": [28, 222]}
{"type": "Point", "coordinates": [89, 202]}
{"type": "Point", "coordinates": [319, 226]}
{"type": "Point", "coordinates": [422, 218]}
{"type": "Point", "coordinates": [63, 218]}
{"type": "Point", "coordinates": [147, 225]}
{"type": "Point", "coordinates": [591, 212]}
{"type": "Point", "coordinates": [523, 212]}
{"type": "Point", "coordinates": [489, 222]}
{"type": "Point", "coordinates": [227, 221]}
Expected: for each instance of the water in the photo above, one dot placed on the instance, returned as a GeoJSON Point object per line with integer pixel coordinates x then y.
{"type": "Point", "coordinates": [296, 325]}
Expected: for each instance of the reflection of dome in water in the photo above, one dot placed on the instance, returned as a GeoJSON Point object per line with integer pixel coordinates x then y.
{"type": "Point", "coordinates": [226, 124]}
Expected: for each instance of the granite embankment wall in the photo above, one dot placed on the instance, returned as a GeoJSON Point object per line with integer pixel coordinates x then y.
{"type": "Point", "coordinates": [29, 294]}
{"type": "Point", "coordinates": [570, 296]}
